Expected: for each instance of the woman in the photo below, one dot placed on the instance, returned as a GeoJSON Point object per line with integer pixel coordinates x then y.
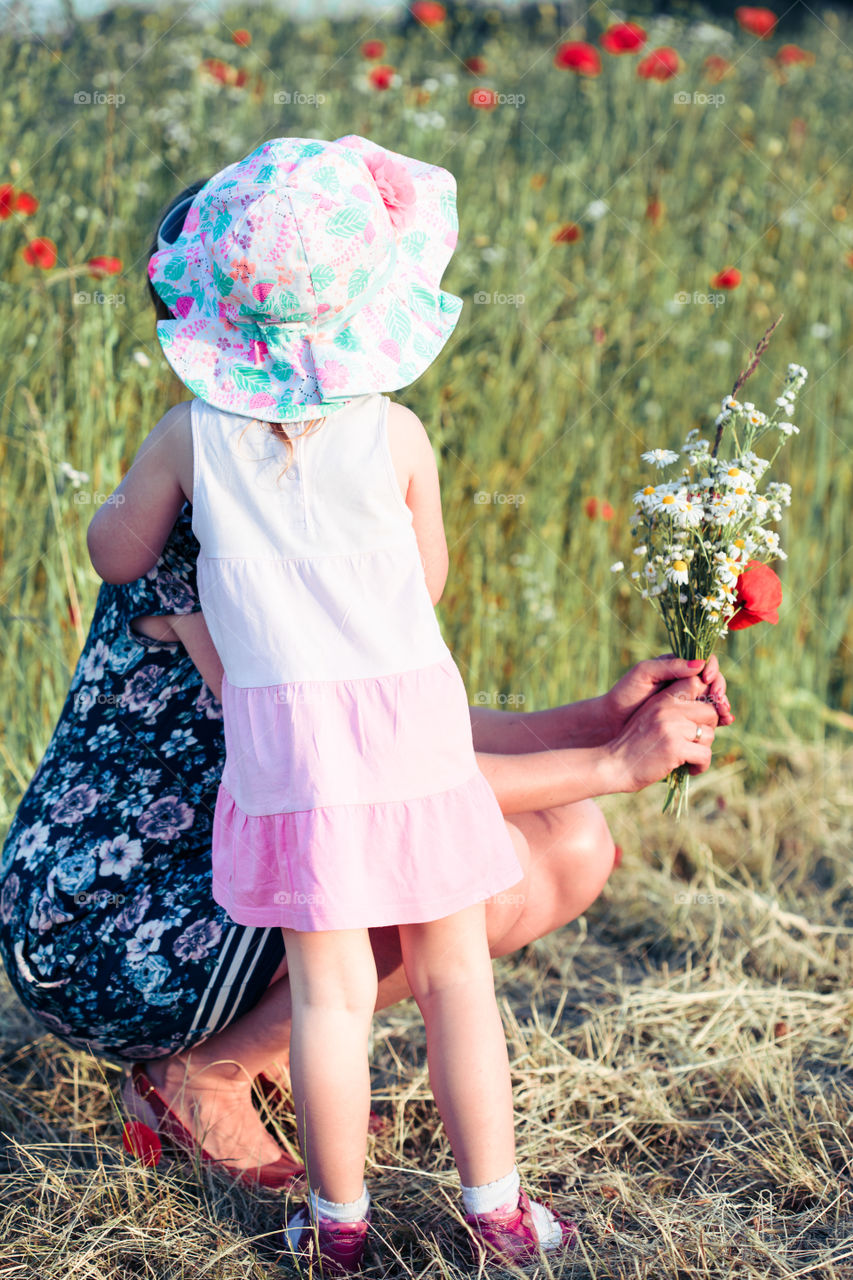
{"type": "Point", "coordinates": [108, 929]}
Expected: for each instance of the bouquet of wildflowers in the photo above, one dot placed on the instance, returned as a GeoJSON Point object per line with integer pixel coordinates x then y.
{"type": "Point", "coordinates": [704, 537]}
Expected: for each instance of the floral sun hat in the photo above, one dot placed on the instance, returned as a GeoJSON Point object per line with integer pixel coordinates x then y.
{"type": "Point", "coordinates": [307, 274]}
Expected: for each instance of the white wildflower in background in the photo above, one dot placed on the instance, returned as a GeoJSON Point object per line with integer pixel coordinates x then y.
{"type": "Point", "coordinates": [142, 359]}
{"type": "Point", "coordinates": [75, 478]}
{"type": "Point", "coordinates": [596, 209]}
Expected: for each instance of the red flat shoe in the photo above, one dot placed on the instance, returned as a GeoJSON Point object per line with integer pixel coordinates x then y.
{"type": "Point", "coordinates": [274, 1095]}
{"type": "Point", "coordinates": [143, 1103]}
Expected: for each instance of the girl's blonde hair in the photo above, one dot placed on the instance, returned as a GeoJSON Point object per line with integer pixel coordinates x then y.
{"type": "Point", "coordinates": [163, 312]}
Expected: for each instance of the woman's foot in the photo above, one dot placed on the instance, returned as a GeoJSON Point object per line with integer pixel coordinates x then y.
{"type": "Point", "coordinates": [216, 1110]}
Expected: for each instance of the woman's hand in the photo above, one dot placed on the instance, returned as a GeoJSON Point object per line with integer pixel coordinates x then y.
{"type": "Point", "coordinates": [647, 678]}
{"type": "Point", "coordinates": [661, 735]}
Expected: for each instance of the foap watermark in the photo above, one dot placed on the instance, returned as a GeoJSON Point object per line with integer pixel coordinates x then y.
{"type": "Point", "coordinates": [284, 898]}
{"type": "Point", "coordinates": [482, 498]}
{"type": "Point", "coordinates": [696, 99]}
{"type": "Point", "coordinates": [84, 699]}
{"type": "Point", "coordinates": [499, 299]}
{"type": "Point", "coordinates": [682, 298]}
{"type": "Point", "coordinates": [291, 98]}
{"type": "Point", "coordinates": [81, 298]}
{"type": "Point", "coordinates": [499, 699]}
{"type": "Point", "coordinates": [95, 98]}
{"type": "Point", "coordinates": [99, 897]}
{"type": "Point", "coordinates": [491, 98]}
{"type": "Point", "coordinates": [507, 899]}
{"type": "Point", "coordinates": [86, 496]}
{"type": "Point", "coordinates": [700, 899]}
{"type": "Point", "coordinates": [289, 694]}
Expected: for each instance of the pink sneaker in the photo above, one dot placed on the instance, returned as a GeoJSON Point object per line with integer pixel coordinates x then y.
{"type": "Point", "coordinates": [341, 1243]}
{"type": "Point", "coordinates": [515, 1235]}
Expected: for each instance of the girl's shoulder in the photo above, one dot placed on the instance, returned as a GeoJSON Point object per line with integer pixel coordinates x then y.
{"type": "Point", "coordinates": [408, 440]}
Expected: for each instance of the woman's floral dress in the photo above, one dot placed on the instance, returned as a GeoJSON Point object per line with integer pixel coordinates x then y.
{"type": "Point", "coordinates": [108, 929]}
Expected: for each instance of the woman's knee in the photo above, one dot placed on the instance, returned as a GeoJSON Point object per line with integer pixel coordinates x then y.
{"type": "Point", "coordinates": [587, 851]}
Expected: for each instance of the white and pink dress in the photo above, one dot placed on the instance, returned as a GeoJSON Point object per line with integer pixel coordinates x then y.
{"type": "Point", "coordinates": [350, 795]}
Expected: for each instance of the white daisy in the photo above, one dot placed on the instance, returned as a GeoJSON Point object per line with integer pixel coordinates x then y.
{"type": "Point", "coordinates": [617, 567]}
{"type": "Point", "coordinates": [677, 572]}
{"type": "Point", "coordinates": [660, 457]}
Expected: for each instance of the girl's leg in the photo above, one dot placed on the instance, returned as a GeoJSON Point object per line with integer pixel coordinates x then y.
{"type": "Point", "coordinates": [449, 970]}
{"type": "Point", "coordinates": [333, 986]}
{"type": "Point", "coordinates": [567, 856]}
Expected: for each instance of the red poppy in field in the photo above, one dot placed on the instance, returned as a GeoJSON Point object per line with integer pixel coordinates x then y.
{"type": "Point", "coordinates": [654, 211]}
{"type": "Point", "coordinates": [729, 278]}
{"type": "Point", "coordinates": [790, 54]}
{"type": "Point", "coordinates": [758, 22]}
{"type": "Point", "coordinates": [485, 99]}
{"type": "Point", "coordinates": [381, 76]}
{"type": "Point", "coordinates": [623, 37]}
{"type": "Point", "coordinates": [373, 49]}
{"type": "Point", "coordinates": [599, 335]}
{"type": "Point", "coordinates": [476, 65]}
{"type": "Point", "coordinates": [102, 266]}
{"type": "Point", "coordinates": [141, 1141]}
{"type": "Point", "coordinates": [40, 252]}
{"type": "Point", "coordinates": [660, 64]}
{"type": "Point", "coordinates": [716, 67]}
{"type": "Point", "coordinates": [241, 37]}
{"type": "Point", "coordinates": [567, 234]}
{"type": "Point", "coordinates": [598, 510]}
{"type": "Point", "coordinates": [617, 855]}
{"type": "Point", "coordinates": [576, 55]}
{"type": "Point", "coordinates": [428, 12]}
{"type": "Point", "coordinates": [759, 594]}
{"type": "Point", "coordinates": [12, 201]}
{"type": "Point", "coordinates": [224, 73]}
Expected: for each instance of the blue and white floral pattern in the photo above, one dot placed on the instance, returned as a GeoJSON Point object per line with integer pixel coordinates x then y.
{"type": "Point", "coordinates": [108, 929]}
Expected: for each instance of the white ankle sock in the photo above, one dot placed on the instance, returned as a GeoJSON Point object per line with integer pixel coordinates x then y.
{"type": "Point", "coordinates": [502, 1193]}
{"type": "Point", "coordinates": [346, 1211]}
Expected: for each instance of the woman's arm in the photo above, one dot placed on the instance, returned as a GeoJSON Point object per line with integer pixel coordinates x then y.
{"type": "Point", "coordinates": [127, 534]}
{"type": "Point", "coordinates": [578, 724]}
{"type": "Point", "coordinates": [658, 736]}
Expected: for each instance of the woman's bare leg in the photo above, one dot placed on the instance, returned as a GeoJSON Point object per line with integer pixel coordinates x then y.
{"type": "Point", "coordinates": [567, 854]}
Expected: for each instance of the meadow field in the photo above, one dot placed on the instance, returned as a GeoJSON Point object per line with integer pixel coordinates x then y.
{"type": "Point", "coordinates": [681, 1056]}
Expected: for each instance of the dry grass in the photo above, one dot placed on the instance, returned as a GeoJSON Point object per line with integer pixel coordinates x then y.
{"type": "Point", "coordinates": [680, 1061]}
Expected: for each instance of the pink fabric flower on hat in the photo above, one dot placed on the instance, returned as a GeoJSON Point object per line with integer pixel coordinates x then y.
{"type": "Point", "coordinates": [395, 187]}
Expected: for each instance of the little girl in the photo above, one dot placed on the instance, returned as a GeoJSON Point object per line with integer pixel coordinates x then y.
{"type": "Point", "coordinates": [304, 282]}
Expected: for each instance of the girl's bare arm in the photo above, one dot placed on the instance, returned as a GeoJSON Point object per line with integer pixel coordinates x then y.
{"type": "Point", "coordinates": [409, 441]}
{"type": "Point", "coordinates": [127, 534]}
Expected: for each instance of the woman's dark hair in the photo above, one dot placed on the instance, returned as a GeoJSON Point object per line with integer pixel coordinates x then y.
{"type": "Point", "coordinates": [160, 308]}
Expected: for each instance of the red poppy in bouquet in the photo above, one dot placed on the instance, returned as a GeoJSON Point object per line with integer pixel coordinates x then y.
{"type": "Point", "coordinates": [705, 536]}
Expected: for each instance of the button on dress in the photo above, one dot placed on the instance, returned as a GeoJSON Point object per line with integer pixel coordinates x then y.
{"type": "Point", "coordinates": [350, 795]}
